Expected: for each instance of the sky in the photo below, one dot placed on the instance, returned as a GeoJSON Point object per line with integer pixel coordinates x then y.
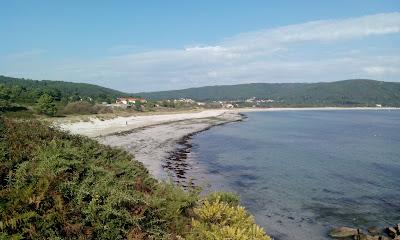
{"type": "Point", "coordinates": [150, 45]}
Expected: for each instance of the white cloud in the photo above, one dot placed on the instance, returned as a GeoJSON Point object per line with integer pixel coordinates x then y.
{"type": "Point", "coordinates": [377, 71]}
{"type": "Point", "coordinates": [326, 30]}
{"type": "Point", "coordinates": [295, 53]}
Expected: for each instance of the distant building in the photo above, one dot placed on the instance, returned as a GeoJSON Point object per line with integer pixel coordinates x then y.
{"type": "Point", "coordinates": [227, 105]}
{"type": "Point", "coordinates": [253, 99]}
{"type": "Point", "coordinates": [185, 100]}
{"type": "Point", "coordinates": [130, 100]}
{"type": "Point", "coordinates": [378, 105]}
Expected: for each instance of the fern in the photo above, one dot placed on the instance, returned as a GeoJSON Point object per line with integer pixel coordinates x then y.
{"type": "Point", "coordinates": [17, 220]}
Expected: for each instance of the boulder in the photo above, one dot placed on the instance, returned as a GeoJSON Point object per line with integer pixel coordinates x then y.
{"type": "Point", "coordinates": [343, 232]}
{"type": "Point", "coordinates": [366, 237]}
{"type": "Point", "coordinates": [398, 229]}
{"type": "Point", "coordinates": [374, 231]}
{"type": "Point", "coordinates": [384, 238]}
{"type": "Point", "coordinates": [391, 232]}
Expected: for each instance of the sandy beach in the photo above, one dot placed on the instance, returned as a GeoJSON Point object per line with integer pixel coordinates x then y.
{"type": "Point", "coordinates": [151, 139]}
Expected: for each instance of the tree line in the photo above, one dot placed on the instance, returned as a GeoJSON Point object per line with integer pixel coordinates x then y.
{"type": "Point", "coordinates": [46, 97]}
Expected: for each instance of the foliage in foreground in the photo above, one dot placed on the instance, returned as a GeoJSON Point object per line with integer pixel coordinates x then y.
{"type": "Point", "coordinates": [221, 220]}
{"type": "Point", "coordinates": [55, 185]}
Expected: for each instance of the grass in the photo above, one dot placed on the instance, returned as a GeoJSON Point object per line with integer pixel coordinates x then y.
{"type": "Point", "coordinates": [54, 185]}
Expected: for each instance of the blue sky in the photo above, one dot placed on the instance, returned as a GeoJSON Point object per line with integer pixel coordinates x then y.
{"type": "Point", "coordinates": [159, 45]}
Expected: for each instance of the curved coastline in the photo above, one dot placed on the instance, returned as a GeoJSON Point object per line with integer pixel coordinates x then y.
{"type": "Point", "coordinates": [161, 141]}
{"type": "Point", "coordinates": [154, 140]}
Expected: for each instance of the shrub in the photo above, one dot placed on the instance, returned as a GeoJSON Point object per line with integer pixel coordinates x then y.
{"type": "Point", "coordinates": [219, 220]}
{"type": "Point", "coordinates": [226, 197]}
{"type": "Point", "coordinates": [45, 105]}
{"type": "Point", "coordinates": [55, 185]}
{"type": "Point", "coordinates": [83, 107]}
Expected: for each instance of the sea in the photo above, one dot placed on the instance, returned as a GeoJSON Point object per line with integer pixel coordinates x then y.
{"type": "Point", "coordinates": [303, 172]}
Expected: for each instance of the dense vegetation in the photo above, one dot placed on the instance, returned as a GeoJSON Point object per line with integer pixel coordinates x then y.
{"type": "Point", "coordinates": [59, 186]}
{"type": "Point", "coordinates": [28, 91]}
{"type": "Point", "coordinates": [349, 92]}
{"type": "Point", "coordinates": [54, 98]}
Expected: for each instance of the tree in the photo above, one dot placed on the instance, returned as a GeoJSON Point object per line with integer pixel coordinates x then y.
{"type": "Point", "coordinates": [45, 105]}
{"type": "Point", "coordinates": [4, 97]}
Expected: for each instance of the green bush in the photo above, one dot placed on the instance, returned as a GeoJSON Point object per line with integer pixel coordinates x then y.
{"type": "Point", "coordinates": [226, 197]}
{"type": "Point", "coordinates": [55, 185]}
{"type": "Point", "coordinates": [45, 105]}
{"type": "Point", "coordinates": [219, 220]}
{"type": "Point", "coordinates": [83, 107]}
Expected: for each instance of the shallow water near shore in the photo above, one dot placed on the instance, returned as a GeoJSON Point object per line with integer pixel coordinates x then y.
{"type": "Point", "coordinates": [302, 172]}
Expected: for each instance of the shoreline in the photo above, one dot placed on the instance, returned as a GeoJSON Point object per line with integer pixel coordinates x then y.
{"type": "Point", "coordinates": [176, 161]}
{"type": "Point", "coordinates": [156, 145]}
{"type": "Point", "coordinates": [313, 109]}
{"type": "Point", "coordinates": [95, 127]}
{"type": "Point", "coordinates": [161, 141]}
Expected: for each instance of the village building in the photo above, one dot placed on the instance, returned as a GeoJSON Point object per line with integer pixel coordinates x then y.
{"type": "Point", "coordinates": [185, 100]}
{"type": "Point", "coordinates": [130, 100]}
{"type": "Point", "coordinates": [228, 106]}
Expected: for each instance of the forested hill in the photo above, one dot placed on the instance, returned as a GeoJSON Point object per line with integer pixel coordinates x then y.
{"type": "Point", "coordinates": [356, 91]}
{"type": "Point", "coordinates": [347, 92]}
{"type": "Point", "coordinates": [27, 90]}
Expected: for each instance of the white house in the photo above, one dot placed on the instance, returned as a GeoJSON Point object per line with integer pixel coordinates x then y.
{"type": "Point", "coordinates": [129, 100]}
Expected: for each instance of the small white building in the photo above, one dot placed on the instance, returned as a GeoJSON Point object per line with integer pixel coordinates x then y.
{"type": "Point", "coordinates": [129, 100]}
{"type": "Point", "coordinates": [228, 106]}
{"type": "Point", "coordinates": [253, 99]}
{"type": "Point", "coordinates": [185, 100]}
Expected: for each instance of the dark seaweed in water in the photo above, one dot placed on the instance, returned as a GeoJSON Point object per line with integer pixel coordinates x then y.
{"type": "Point", "coordinates": [176, 163]}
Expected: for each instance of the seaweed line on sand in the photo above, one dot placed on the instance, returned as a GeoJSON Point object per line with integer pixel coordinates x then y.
{"type": "Point", "coordinates": [177, 166]}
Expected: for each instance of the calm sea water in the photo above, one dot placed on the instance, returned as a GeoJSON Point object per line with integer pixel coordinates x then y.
{"type": "Point", "coordinates": [302, 172]}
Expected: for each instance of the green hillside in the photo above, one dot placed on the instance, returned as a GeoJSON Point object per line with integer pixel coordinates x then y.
{"type": "Point", "coordinates": [348, 92]}
{"type": "Point", "coordinates": [27, 91]}
{"type": "Point", "coordinates": [356, 92]}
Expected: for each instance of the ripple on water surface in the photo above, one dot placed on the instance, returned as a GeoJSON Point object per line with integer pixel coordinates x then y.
{"type": "Point", "coordinates": [302, 172]}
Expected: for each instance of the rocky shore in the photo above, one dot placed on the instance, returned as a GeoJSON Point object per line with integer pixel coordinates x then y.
{"type": "Point", "coordinates": [372, 233]}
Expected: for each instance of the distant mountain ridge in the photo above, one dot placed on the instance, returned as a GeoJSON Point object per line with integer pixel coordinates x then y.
{"type": "Point", "coordinates": [346, 92]}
